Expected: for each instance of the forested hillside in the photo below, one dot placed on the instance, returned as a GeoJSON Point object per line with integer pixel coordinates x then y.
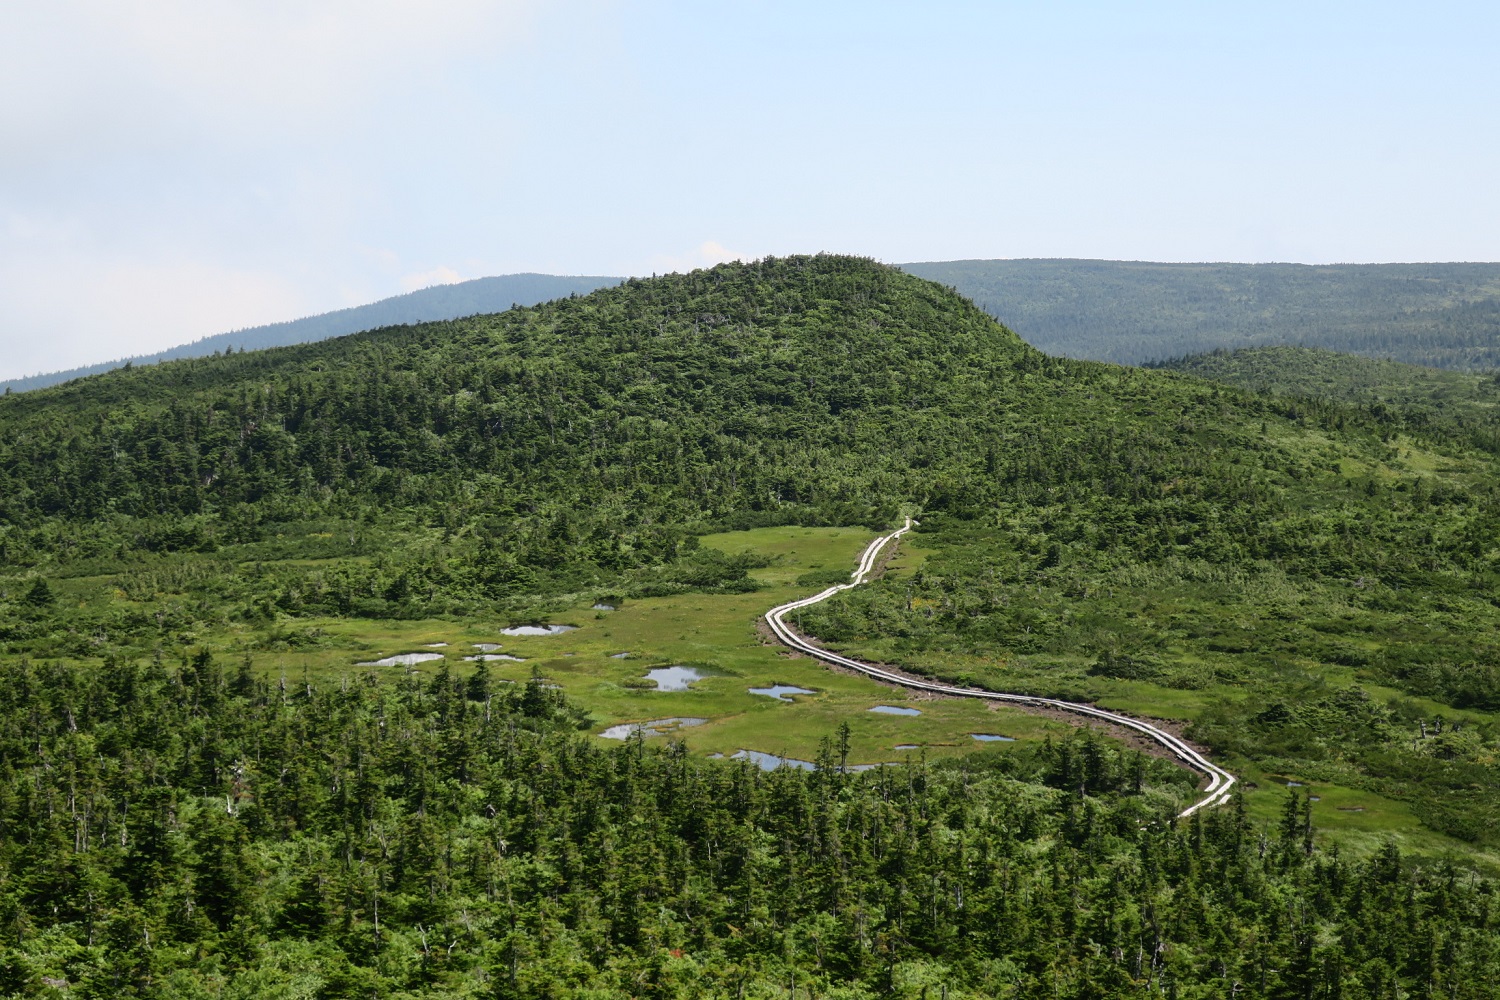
{"type": "Point", "coordinates": [1348, 378]}
{"type": "Point", "coordinates": [1130, 312]}
{"type": "Point", "coordinates": [1307, 585]}
{"type": "Point", "coordinates": [1441, 406]}
{"type": "Point", "coordinates": [466, 298]}
{"type": "Point", "coordinates": [580, 434]}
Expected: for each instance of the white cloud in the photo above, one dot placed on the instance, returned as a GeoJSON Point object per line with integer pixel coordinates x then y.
{"type": "Point", "coordinates": [132, 306]}
{"type": "Point", "coordinates": [426, 279]}
{"type": "Point", "coordinates": [178, 168]}
{"type": "Point", "coordinates": [706, 254]}
{"type": "Point", "coordinates": [86, 74]}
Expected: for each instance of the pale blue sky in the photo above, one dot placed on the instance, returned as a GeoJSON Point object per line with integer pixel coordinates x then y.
{"type": "Point", "coordinates": [178, 168]}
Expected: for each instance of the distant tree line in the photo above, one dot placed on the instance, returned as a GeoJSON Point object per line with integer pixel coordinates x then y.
{"type": "Point", "coordinates": [1131, 312]}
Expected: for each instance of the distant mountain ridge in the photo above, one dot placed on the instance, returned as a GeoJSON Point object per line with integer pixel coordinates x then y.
{"type": "Point", "coordinates": [465, 298]}
{"type": "Point", "coordinates": [1127, 312]}
{"type": "Point", "coordinates": [1442, 315]}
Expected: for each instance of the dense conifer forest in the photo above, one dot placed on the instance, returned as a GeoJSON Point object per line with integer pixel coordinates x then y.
{"type": "Point", "coordinates": [1308, 583]}
{"type": "Point", "coordinates": [1427, 400]}
{"type": "Point", "coordinates": [183, 830]}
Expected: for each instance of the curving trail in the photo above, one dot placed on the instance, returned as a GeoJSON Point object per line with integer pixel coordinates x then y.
{"type": "Point", "coordinates": [1220, 781]}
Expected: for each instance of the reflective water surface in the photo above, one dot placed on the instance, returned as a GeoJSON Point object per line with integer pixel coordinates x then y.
{"type": "Point", "coordinates": [780, 691]}
{"type": "Point", "coordinates": [674, 678]}
{"type": "Point", "coordinates": [401, 660]}
{"type": "Point", "coordinates": [656, 727]}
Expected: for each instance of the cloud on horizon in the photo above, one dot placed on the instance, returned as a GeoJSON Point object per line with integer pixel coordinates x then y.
{"type": "Point", "coordinates": [706, 254]}
{"type": "Point", "coordinates": [181, 168]}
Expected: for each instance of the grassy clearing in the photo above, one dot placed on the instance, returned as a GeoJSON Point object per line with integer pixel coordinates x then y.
{"type": "Point", "coordinates": [1356, 821]}
{"type": "Point", "coordinates": [718, 632]}
{"type": "Point", "coordinates": [721, 633]}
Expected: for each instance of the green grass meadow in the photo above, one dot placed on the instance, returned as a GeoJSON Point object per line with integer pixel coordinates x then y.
{"type": "Point", "coordinates": [718, 633]}
{"type": "Point", "coordinates": [723, 635]}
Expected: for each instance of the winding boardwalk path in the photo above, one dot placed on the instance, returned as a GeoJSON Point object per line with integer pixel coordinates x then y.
{"type": "Point", "coordinates": [1220, 781]}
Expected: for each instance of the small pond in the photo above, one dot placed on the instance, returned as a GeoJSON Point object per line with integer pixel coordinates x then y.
{"type": "Point", "coordinates": [656, 727]}
{"type": "Point", "coordinates": [601, 606]}
{"type": "Point", "coordinates": [486, 647]}
{"type": "Point", "coordinates": [433, 645]}
{"type": "Point", "coordinates": [770, 761]}
{"type": "Point", "coordinates": [675, 678]}
{"type": "Point", "coordinates": [478, 657]}
{"type": "Point", "coordinates": [908, 746]}
{"type": "Point", "coordinates": [780, 691]}
{"type": "Point", "coordinates": [894, 710]}
{"type": "Point", "coordinates": [537, 629]}
{"type": "Point", "coordinates": [619, 656]}
{"type": "Point", "coordinates": [402, 660]}
{"type": "Point", "coordinates": [992, 738]}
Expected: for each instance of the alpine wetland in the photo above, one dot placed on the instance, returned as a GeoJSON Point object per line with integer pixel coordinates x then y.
{"type": "Point", "coordinates": [786, 628]}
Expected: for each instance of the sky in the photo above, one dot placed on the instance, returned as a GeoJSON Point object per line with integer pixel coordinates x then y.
{"type": "Point", "coordinates": [177, 168]}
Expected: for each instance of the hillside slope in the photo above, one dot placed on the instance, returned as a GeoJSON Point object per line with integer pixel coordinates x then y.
{"type": "Point", "coordinates": [1130, 312]}
{"type": "Point", "coordinates": [1347, 378]}
{"type": "Point", "coordinates": [1442, 315]}
{"type": "Point", "coordinates": [467, 298]}
{"type": "Point", "coordinates": [745, 388]}
{"type": "Point", "coordinates": [1440, 407]}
